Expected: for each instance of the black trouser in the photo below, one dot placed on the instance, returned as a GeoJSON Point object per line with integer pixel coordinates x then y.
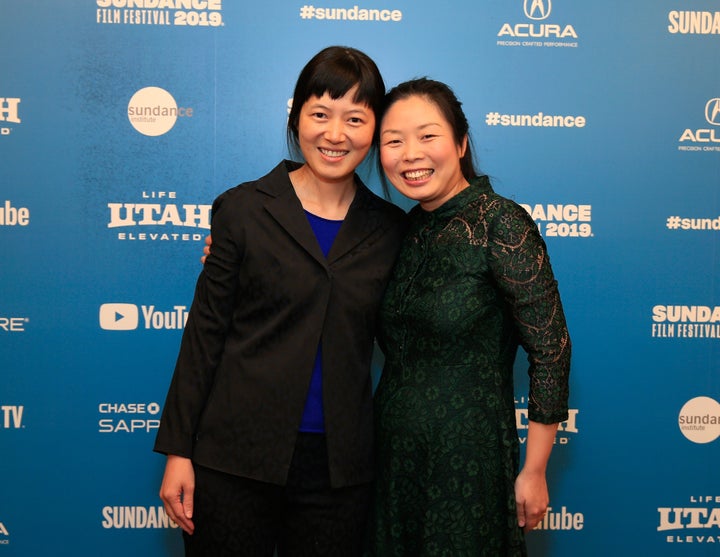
{"type": "Point", "coordinates": [237, 516]}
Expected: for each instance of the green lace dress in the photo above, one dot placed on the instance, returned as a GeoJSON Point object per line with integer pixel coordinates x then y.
{"type": "Point", "coordinates": [471, 283]}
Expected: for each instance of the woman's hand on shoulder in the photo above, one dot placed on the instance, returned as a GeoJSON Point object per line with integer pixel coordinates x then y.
{"type": "Point", "coordinates": [206, 248]}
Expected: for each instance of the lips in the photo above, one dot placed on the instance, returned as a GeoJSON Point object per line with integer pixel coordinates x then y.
{"type": "Point", "coordinates": [332, 153]}
{"type": "Point", "coordinates": [420, 174]}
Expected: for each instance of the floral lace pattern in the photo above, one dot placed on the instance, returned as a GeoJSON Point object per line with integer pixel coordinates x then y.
{"type": "Point", "coordinates": [472, 282]}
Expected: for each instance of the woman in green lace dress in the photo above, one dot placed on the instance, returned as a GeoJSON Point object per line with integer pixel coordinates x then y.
{"type": "Point", "coordinates": [472, 282]}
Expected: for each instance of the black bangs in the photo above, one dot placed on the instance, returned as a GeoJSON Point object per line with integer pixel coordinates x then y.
{"type": "Point", "coordinates": [335, 70]}
{"type": "Point", "coordinates": [336, 82]}
{"type": "Point", "coordinates": [341, 75]}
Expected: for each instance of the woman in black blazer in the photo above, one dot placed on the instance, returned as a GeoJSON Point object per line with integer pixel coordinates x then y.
{"type": "Point", "coordinates": [268, 420]}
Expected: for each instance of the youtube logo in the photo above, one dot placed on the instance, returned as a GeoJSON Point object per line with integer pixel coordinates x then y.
{"type": "Point", "coordinates": [119, 317]}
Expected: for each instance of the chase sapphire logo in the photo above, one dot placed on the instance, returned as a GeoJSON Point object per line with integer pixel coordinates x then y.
{"type": "Point", "coordinates": [537, 9]}
{"type": "Point", "coordinates": [712, 111]}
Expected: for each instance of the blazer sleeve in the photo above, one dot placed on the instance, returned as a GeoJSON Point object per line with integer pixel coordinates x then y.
{"type": "Point", "coordinates": [206, 330]}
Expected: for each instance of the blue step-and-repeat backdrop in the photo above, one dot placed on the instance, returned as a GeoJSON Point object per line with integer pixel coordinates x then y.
{"type": "Point", "coordinates": [121, 120]}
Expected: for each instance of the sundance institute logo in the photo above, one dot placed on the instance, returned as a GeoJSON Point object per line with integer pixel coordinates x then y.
{"type": "Point", "coordinates": [699, 420]}
{"type": "Point", "coordinates": [152, 111]}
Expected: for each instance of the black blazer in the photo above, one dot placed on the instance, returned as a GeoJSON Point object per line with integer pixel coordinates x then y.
{"type": "Point", "coordinates": [264, 300]}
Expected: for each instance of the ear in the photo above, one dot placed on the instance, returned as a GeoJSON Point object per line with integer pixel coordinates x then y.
{"type": "Point", "coordinates": [463, 147]}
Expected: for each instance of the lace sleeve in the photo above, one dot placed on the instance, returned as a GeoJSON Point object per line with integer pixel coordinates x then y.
{"type": "Point", "coordinates": [521, 267]}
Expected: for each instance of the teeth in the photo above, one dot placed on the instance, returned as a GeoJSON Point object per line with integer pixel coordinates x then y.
{"type": "Point", "coordinates": [418, 174]}
{"type": "Point", "coordinates": [330, 153]}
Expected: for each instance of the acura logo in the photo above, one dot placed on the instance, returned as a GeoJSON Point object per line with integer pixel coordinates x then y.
{"type": "Point", "coordinates": [537, 9]}
{"type": "Point", "coordinates": [712, 111]}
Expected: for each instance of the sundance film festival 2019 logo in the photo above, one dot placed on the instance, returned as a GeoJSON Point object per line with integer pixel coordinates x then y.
{"type": "Point", "coordinates": [9, 114]}
{"type": "Point", "coordinates": [707, 138]}
{"type": "Point", "coordinates": [538, 30]}
{"type": "Point", "coordinates": [152, 111]}
{"type": "Point", "coordinates": [685, 322]}
{"type": "Point", "coordinates": [131, 517]}
{"type": "Point", "coordinates": [564, 220]}
{"type": "Point", "coordinates": [183, 13]}
{"type": "Point", "coordinates": [694, 22]}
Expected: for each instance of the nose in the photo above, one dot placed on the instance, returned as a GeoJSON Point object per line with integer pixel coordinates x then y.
{"type": "Point", "coordinates": [335, 130]}
{"type": "Point", "coordinates": [411, 150]}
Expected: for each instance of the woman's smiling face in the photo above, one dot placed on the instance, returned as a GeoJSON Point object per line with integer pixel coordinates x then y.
{"type": "Point", "coordinates": [335, 135]}
{"type": "Point", "coordinates": [419, 153]}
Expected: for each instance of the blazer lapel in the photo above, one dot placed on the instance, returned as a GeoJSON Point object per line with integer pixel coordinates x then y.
{"type": "Point", "coordinates": [361, 221]}
{"type": "Point", "coordinates": [285, 207]}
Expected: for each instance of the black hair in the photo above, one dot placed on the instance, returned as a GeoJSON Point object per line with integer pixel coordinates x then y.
{"type": "Point", "coordinates": [335, 70]}
{"type": "Point", "coordinates": [450, 107]}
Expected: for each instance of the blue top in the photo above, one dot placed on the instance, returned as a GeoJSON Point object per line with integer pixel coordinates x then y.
{"type": "Point", "coordinates": [313, 419]}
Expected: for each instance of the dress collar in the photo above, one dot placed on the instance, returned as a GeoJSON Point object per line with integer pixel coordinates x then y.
{"type": "Point", "coordinates": [478, 184]}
